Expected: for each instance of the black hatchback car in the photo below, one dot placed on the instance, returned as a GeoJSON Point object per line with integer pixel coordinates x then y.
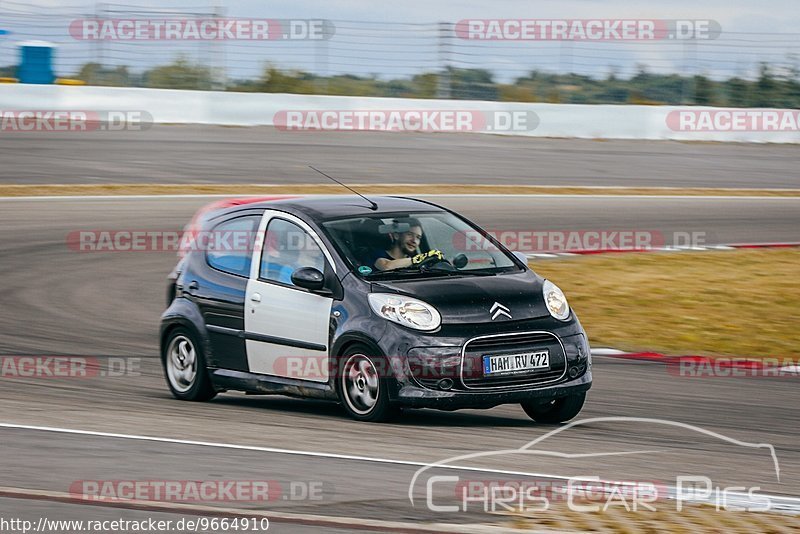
{"type": "Point", "coordinates": [380, 304]}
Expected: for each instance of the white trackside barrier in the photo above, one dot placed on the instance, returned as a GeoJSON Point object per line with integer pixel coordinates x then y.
{"type": "Point", "coordinates": [313, 112]}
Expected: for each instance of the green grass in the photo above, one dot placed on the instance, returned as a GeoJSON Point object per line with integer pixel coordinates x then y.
{"type": "Point", "coordinates": [738, 303]}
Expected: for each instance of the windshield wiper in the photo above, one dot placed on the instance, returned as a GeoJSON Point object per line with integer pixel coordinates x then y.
{"type": "Point", "coordinates": [450, 270]}
{"type": "Point", "coordinates": [472, 272]}
{"type": "Point", "coordinates": [414, 272]}
{"type": "Point", "coordinates": [401, 273]}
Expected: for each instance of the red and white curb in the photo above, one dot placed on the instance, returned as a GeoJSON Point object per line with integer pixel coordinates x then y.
{"type": "Point", "coordinates": [707, 365]}
{"type": "Point", "coordinates": [731, 246]}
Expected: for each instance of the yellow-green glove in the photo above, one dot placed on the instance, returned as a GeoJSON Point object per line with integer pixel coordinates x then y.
{"type": "Point", "coordinates": [426, 256]}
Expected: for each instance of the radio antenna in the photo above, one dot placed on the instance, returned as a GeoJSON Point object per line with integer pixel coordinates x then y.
{"type": "Point", "coordinates": [372, 205]}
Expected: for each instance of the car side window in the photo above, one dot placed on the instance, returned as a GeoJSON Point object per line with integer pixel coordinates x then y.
{"type": "Point", "coordinates": [229, 246]}
{"type": "Point", "coordinates": [287, 247]}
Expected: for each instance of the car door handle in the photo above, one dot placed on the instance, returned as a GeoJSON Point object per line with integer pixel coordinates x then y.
{"type": "Point", "coordinates": [255, 297]}
{"type": "Point", "coordinates": [193, 286]}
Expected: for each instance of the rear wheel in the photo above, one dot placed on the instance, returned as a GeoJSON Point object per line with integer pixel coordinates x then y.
{"type": "Point", "coordinates": [362, 389]}
{"type": "Point", "coordinates": [185, 367]}
{"type": "Point", "coordinates": [555, 410]}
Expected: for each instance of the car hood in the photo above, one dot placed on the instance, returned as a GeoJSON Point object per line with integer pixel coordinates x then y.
{"type": "Point", "coordinates": [470, 299]}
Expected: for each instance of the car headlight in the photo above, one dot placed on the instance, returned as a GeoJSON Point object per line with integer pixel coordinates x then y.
{"type": "Point", "coordinates": [555, 301]}
{"type": "Point", "coordinates": [406, 311]}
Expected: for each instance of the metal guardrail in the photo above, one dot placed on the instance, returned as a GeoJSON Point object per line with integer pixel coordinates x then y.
{"type": "Point", "coordinates": [387, 49]}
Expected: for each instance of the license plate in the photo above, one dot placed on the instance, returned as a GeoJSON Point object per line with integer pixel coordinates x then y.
{"type": "Point", "coordinates": [516, 363]}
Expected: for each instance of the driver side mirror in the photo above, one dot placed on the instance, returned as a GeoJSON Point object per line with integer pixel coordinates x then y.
{"type": "Point", "coordinates": [309, 278]}
{"type": "Point", "coordinates": [521, 257]}
{"type": "Point", "coordinates": [460, 261]}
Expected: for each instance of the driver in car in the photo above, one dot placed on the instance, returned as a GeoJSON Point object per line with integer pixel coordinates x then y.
{"type": "Point", "coordinates": [404, 251]}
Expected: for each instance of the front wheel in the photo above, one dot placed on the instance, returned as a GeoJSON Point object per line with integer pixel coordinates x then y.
{"type": "Point", "coordinates": [185, 367]}
{"type": "Point", "coordinates": [362, 389]}
{"type": "Point", "coordinates": [555, 410]}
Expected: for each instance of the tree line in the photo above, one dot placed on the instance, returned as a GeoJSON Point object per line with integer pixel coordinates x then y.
{"type": "Point", "coordinates": [770, 89]}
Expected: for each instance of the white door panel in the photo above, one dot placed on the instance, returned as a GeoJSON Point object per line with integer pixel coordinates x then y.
{"type": "Point", "coordinates": [292, 315]}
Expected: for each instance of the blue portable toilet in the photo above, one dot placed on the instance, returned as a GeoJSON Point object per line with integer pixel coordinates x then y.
{"type": "Point", "coordinates": [36, 62]}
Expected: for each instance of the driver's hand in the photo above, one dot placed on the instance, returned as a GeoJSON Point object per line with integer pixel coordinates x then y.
{"type": "Point", "coordinates": [427, 256]}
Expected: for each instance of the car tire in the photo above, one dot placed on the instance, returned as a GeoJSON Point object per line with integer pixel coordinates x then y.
{"type": "Point", "coordinates": [185, 367]}
{"type": "Point", "coordinates": [557, 410]}
{"type": "Point", "coordinates": [363, 392]}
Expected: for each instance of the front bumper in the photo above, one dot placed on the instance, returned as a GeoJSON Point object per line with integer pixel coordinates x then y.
{"type": "Point", "coordinates": [415, 396]}
{"type": "Point", "coordinates": [430, 359]}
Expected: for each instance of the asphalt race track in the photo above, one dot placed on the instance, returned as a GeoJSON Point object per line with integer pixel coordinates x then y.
{"type": "Point", "coordinates": [46, 283]}
{"type": "Point", "coordinates": [205, 154]}
{"type": "Point", "coordinates": [56, 301]}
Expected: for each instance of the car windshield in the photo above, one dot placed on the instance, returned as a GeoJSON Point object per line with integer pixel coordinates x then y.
{"type": "Point", "coordinates": [399, 245]}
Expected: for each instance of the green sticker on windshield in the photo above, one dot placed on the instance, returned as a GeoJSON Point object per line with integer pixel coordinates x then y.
{"type": "Point", "coordinates": [365, 269]}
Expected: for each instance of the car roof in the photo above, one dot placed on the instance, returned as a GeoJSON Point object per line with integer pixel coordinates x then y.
{"type": "Point", "coordinates": [332, 207]}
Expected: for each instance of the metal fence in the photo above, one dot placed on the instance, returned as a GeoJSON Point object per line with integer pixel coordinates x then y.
{"type": "Point", "coordinates": [386, 50]}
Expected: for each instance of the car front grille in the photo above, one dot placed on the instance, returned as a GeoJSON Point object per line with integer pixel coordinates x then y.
{"type": "Point", "coordinates": [472, 361]}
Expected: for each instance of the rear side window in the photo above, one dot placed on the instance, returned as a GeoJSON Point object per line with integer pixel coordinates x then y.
{"type": "Point", "coordinates": [230, 245]}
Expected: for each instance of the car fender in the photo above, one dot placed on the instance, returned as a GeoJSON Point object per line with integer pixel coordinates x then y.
{"type": "Point", "coordinates": [389, 364]}
{"type": "Point", "coordinates": [184, 312]}
{"type": "Point", "coordinates": [355, 336]}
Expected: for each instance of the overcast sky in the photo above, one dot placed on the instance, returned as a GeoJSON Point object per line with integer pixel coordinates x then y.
{"type": "Point", "coordinates": [735, 15]}
{"type": "Point", "coordinates": [390, 51]}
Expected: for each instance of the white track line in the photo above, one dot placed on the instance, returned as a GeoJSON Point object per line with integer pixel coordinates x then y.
{"type": "Point", "coordinates": [256, 448]}
{"type": "Point", "coordinates": [782, 503]}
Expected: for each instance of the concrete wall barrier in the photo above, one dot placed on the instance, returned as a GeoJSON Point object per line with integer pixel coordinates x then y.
{"type": "Point", "coordinates": [290, 112]}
